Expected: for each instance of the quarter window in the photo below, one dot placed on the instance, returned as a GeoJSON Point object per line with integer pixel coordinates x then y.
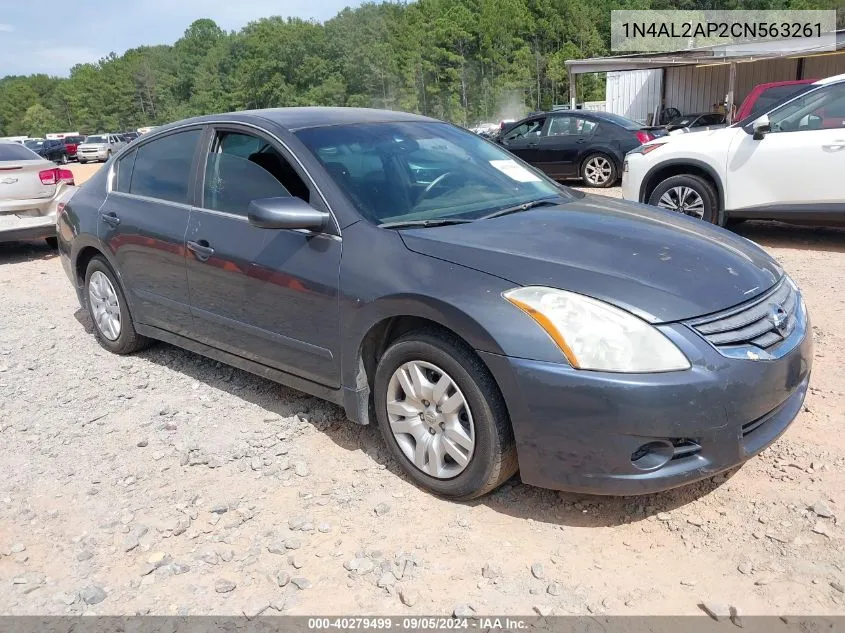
{"type": "Point", "coordinates": [242, 168]}
{"type": "Point", "coordinates": [124, 173]}
{"type": "Point", "coordinates": [163, 167]}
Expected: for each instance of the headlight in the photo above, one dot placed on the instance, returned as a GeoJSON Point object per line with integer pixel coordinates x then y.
{"type": "Point", "coordinates": [596, 335]}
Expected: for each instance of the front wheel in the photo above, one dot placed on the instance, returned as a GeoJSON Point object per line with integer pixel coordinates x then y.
{"type": "Point", "coordinates": [690, 195]}
{"type": "Point", "coordinates": [442, 415]}
{"type": "Point", "coordinates": [598, 170]}
{"type": "Point", "coordinates": [52, 242]}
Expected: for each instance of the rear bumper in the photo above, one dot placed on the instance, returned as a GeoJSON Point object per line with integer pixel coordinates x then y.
{"type": "Point", "coordinates": [579, 430]}
{"type": "Point", "coordinates": [37, 228]}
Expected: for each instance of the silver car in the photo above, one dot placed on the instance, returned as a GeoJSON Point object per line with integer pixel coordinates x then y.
{"type": "Point", "coordinates": [99, 147]}
{"type": "Point", "coordinates": [31, 190]}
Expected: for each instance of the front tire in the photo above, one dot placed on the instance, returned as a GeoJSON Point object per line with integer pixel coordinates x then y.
{"type": "Point", "coordinates": [691, 195]}
{"type": "Point", "coordinates": [109, 311]}
{"type": "Point", "coordinates": [442, 415]}
{"type": "Point", "coordinates": [52, 242]}
{"type": "Point", "coordinates": [599, 170]}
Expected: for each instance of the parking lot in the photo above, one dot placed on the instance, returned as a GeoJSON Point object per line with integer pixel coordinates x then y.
{"type": "Point", "coordinates": [166, 483]}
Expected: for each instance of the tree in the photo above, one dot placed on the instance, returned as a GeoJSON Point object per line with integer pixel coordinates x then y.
{"type": "Point", "coordinates": [38, 121]}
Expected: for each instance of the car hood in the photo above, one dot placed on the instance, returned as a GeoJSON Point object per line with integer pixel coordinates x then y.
{"type": "Point", "coordinates": [92, 145]}
{"type": "Point", "coordinates": [660, 265]}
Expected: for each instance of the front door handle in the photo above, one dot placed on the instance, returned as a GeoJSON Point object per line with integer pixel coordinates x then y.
{"type": "Point", "coordinates": [110, 218]}
{"type": "Point", "coordinates": [201, 249]}
{"type": "Point", "coordinates": [836, 145]}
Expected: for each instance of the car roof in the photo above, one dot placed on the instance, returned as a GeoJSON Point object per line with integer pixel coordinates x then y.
{"type": "Point", "coordinates": [305, 117]}
{"type": "Point", "coordinates": [830, 80]}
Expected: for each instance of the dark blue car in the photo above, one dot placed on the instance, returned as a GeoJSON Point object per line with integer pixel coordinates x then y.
{"type": "Point", "coordinates": [486, 318]}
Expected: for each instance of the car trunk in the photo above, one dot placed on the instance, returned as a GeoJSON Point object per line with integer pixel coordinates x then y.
{"type": "Point", "coordinates": [20, 180]}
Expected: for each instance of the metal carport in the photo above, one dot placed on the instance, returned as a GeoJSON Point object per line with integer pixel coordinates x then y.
{"type": "Point", "coordinates": [693, 79]}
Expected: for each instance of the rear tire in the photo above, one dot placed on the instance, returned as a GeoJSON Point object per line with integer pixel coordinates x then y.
{"type": "Point", "coordinates": [64, 159]}
{"type": "Point", "coordinates": [127, 339]}
{"type": "Point", "coordinates": [688, 194]}
{"type": "Point", "coordinates": [482, 413]}
{"type": "Point", "coordinates": [599, 170]}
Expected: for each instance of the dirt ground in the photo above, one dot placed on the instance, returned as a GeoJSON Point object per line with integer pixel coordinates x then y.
{"type": "Point", "coordinates": [167, 483]}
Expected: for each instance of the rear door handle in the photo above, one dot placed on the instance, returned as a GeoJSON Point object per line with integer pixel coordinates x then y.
{"type": "Point", "coordinates": [110, 218]}
{"type": "Point", "coordinates": [201, 249]}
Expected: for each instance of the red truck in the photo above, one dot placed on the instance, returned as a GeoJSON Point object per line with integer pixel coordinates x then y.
{"type": "Point", "coordinates": [764, 97]}
{"type": "Point", "coordinates": [71, 143]}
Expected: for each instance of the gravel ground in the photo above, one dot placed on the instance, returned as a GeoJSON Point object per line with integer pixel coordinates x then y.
{"type": "Point", "coordinates": [167, 483]}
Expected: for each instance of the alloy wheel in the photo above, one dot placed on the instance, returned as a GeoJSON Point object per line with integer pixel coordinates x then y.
{"type": "Point", "coordinates": [105, 306]}
{"type": "Point", "coordinates": [430, 419]}
{"type": "Point", "coordinates": [683, 200]}
{"type": "Point", "coordinates": [597, 170]}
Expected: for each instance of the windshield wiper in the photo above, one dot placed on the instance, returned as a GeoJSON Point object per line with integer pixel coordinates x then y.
{"type": "Point", "coordinates": [522, 207]}
{"type": "Point", "coordinates": [423, 223]}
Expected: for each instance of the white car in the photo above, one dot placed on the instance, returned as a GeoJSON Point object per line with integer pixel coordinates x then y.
{"type": "Point", "coordinates": [31, 190]}
{"type": "Point", "coordinates": [99, 147]}
{"type": "Point", "coordinates": [784, 165]}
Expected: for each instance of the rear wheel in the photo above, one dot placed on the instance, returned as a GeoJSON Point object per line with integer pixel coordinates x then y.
{"type": "Point", "coordinates": [690, 195]}
{"type": "Point", "coordinates": [598, 170]}
{"type": "Point", "coordinates": [442, 416]}
{"type": "Point", "coordinates": [108, 309]}
{"type": "Point", "coordinates": [63, 159]}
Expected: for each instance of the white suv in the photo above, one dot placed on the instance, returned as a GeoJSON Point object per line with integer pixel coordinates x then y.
{"type": "Point", "coordinates": [788, 164]}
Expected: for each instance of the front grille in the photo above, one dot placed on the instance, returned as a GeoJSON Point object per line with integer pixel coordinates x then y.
{"type": "Point", "coordinates": [763, 324]}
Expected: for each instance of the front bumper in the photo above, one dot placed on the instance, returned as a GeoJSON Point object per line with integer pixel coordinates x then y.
{"type": "Point", "coordinates": [89, 155]}
{"type": "Point", "coordinates": [634, 169]}
{"type": "Point", "coordinates": [579, 430]}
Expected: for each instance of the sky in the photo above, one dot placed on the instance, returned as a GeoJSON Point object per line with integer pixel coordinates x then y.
{"type": "Point", "coordinates": [35, 40]}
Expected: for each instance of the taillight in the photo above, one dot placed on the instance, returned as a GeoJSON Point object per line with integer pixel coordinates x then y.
{"type": "Point", "coordinates": [644, 137]}
{"type": "Point", "coordinates": [55, 176]}
{"type": "Point", "coordinates": [66, 176]}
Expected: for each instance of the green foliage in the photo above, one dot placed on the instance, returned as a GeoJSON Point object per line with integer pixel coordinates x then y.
{"type": "Point", "coordinates": [460, 60]}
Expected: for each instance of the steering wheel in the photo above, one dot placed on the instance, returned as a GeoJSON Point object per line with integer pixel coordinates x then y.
{"type": "Point", "coordinates": [434, 183]}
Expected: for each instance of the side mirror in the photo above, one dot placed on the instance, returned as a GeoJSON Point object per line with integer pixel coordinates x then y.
{"type": "Point", "coordinates": [761, 127]}
{"type": "Point", "coordinates": [286, 213]}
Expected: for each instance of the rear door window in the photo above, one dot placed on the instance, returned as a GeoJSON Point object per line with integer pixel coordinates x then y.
{"type": "Point", "coordinates": [163, 167]}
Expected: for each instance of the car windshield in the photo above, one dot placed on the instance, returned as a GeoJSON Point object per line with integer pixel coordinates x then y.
{"type": "Point", "coordinates": [33, 144]}
{"type": "Point", "coordinates": [419, 171]}
{"type": "Point", "coordinates": [96, 139]}
{"type": "Point", "coordinates": [72, 139]}
{"type": "Point", "coordinates": [14, 151]}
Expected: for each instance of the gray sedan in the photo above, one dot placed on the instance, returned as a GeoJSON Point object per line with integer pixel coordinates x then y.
{"type": "Point", "coordinates": [486, 318]}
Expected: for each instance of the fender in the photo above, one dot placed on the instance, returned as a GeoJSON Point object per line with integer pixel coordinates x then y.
{"type": "Point", "coordinates": [644, 185]}
{"type": "Point", "coordinates": [408, 305]}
